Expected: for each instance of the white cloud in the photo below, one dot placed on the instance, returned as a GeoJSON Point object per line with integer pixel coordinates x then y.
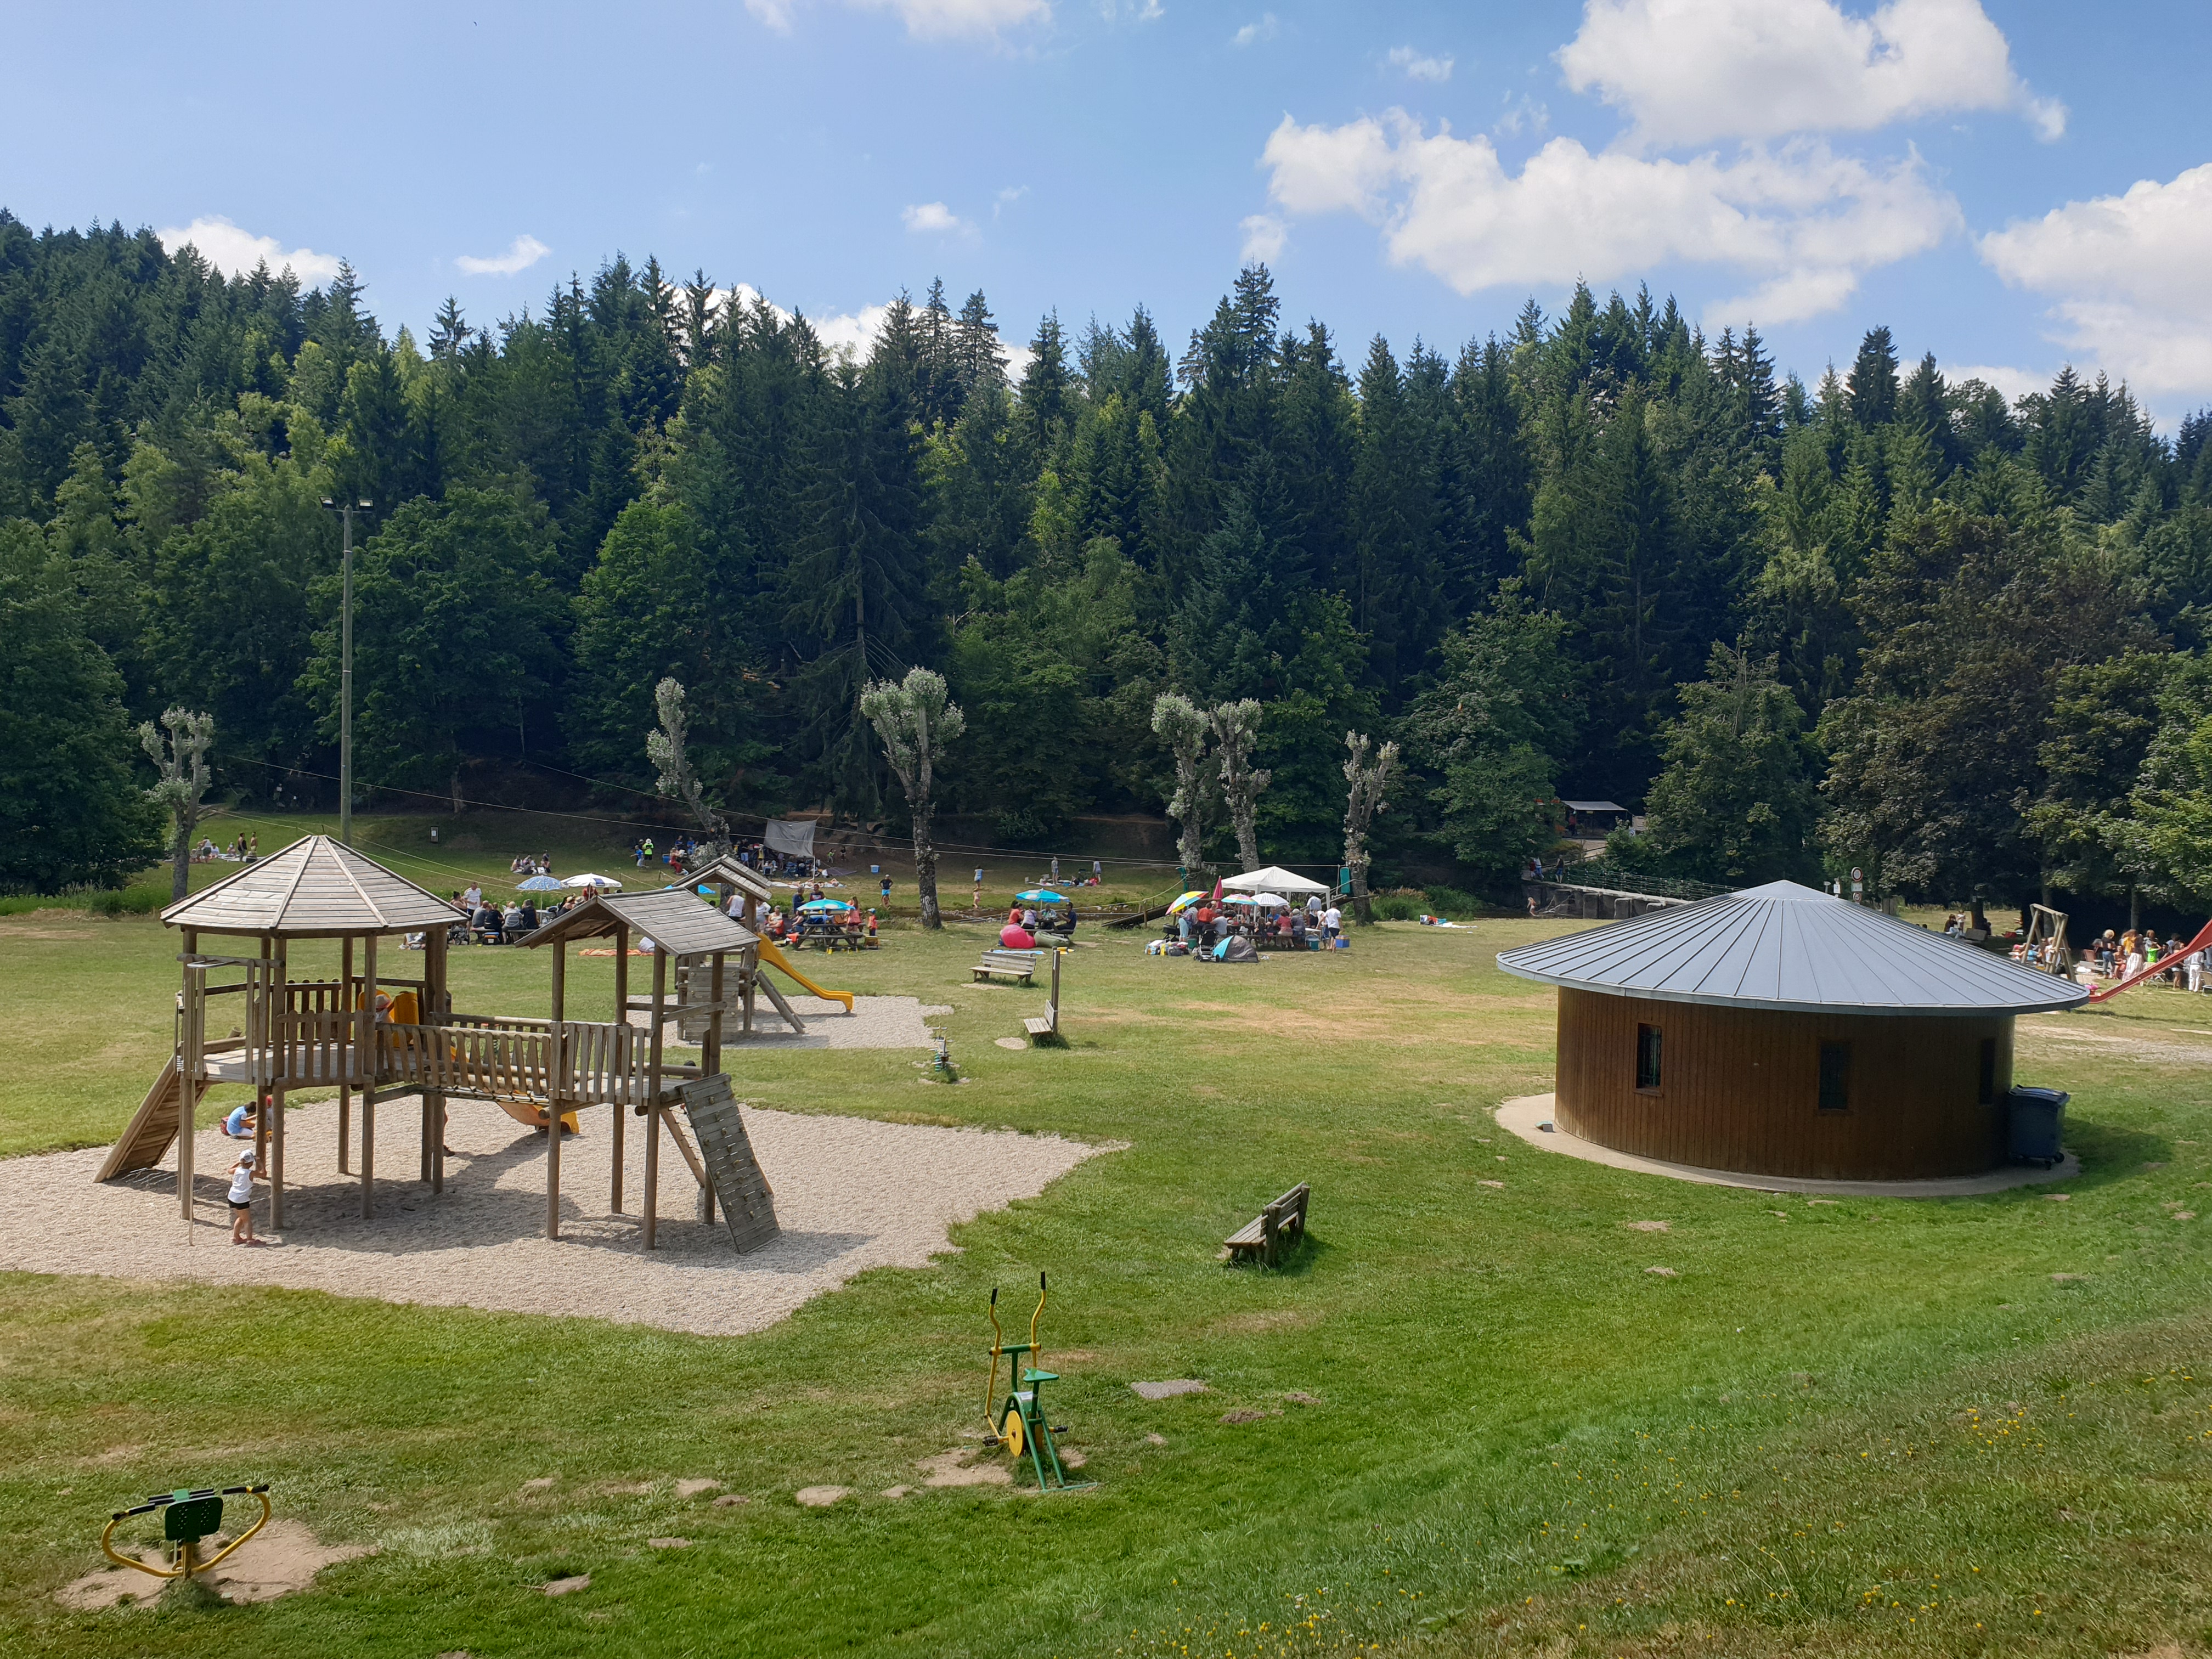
{"type": "Point", "coordinates": [926, 218]}
{"type": "Point", "coordinates": [2014, 383]}
{"type": "Point", "coordinates": [1007, 197]}
{"type": "Point", "coordinates": [852, 331]}
{"type": "Point", "coordinates": [1690, 71]}
{"type": "Point", "coordinates": [931, 19]}
{"type": "Point", "coordinates": [2126, 274]}
{"type": "Point", "coordinates": [1137, 11]}
{"type": "Point", "coordinates": [1252, 34]}
{"type": "Point", "coordinates": [236, 252]}
{"type": "Point", "coordinates": [1264, 237]}
{"type": "Point", "coordinates": [1800, 222]}
{"type": "Point", "coordinates": [1523, 114]}
{"type": "Point", "coordinates": [1419, 67]}
{"type": "Point", "coordinates": [522, 252]}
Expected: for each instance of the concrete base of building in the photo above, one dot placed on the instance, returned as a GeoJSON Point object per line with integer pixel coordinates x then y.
{"type": "Point", "coordinates": [1530, 1118]}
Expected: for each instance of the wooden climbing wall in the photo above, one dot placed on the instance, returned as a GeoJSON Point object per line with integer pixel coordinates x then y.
{"type": "Point", "coordinates": [748, 1204]}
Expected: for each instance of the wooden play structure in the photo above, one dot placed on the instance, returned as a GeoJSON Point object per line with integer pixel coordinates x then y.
{"type": "Point", "coordinates": [379, 1035]}
{"type": "Point", "coordinates": [730, 877]}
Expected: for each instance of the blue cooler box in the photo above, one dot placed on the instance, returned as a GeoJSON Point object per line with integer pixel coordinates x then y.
{"type": "Point", "coordinates": [2034, 1120]}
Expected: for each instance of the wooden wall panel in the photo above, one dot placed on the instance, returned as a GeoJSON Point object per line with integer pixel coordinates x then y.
{"type": "Point", "coordinates": [1739, 1089]}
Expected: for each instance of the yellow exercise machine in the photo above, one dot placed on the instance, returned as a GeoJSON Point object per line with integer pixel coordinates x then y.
{"type": "Point", "coordinates": [187, 1516]}
{"type": "Point", "coordinates": [1019, 1425]}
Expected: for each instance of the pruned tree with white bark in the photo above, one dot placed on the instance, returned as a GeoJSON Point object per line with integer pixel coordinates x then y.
{"type": "Point", "coordinates": [667, 748]}
{"type": "Point", "coordinates": [1183, 727]}
{"type": "Point", "coordinates": [1368, 773]}
{"type": "Point", "coordinates": [182, 759]}
{"type": "Point", "coordinates": [916, 719]}
{"type": "Point", "coordinates": [1235, 732]}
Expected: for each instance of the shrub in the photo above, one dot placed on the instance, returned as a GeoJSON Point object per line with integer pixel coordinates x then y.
{"type": "Point", "coordinates": [1450, 901]}
{"type": "Point", "coordinates": [1397, 907]}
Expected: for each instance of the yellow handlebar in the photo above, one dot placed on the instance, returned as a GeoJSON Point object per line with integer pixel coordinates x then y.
{"type": "Point", "coordinates": [991, 1384]}
{"type": "Point", "coordinates": [1037, 1359]}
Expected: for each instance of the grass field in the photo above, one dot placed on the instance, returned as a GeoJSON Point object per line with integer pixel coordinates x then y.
{"type": "Point", "coordinates": [1861, 1427]}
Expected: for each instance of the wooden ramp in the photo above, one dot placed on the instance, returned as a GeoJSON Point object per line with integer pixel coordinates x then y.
{"type": "Point", "coordinates": [748, 1205]}
{"type": "Point", "coordinates": [153, 1127]}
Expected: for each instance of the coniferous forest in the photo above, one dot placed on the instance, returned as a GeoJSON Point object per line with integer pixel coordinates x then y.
{"type": "Point", "coordinates": [1886, 619]}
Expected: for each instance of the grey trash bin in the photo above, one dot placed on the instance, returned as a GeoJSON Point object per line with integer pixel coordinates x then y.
{"type": "Point", "coordinates": [2033, 1119]}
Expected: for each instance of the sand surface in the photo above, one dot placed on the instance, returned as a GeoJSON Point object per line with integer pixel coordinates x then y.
{"type": "Point", "coordinates": [851, 1193]}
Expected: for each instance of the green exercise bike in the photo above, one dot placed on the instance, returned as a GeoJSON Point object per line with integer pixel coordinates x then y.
{"type": "Point", "coordinates": [1020, 1425]}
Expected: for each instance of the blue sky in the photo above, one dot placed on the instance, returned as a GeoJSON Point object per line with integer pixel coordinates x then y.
{"type": "Point", "coordinates": [2010, 186]}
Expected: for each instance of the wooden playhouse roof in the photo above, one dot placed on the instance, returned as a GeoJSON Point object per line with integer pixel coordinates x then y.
{"type": "Point", "coordinates": [743, 877]}
{"type": "Point", "coordinates": [316, 888]}
{"type": "Point", "coordinates": [1789, 948]}
{"type": "Point", "coordinates": [675, 918]}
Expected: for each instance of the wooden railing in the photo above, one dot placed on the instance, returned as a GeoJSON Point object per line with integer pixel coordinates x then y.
{"type": "Point", "coordinates": [577, 1061]}
{"type": "Point", "coordinates": [583, 1061]}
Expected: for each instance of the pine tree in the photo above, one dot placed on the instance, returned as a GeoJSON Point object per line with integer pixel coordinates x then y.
{"type": "Point", "coordinates": [980, 359]}
{"type": "Point", "coordinates": [1872, 384]}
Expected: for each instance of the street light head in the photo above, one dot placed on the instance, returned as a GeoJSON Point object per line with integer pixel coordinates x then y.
{"type": "Point", "coordinates": [367, 503]}
{"type": "Point", "coordinates": [327, 501]}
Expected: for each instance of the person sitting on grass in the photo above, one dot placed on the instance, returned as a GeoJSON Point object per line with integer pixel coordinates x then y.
{"type": "Point", "coordinates": [241, 1200]}
{"type": "Point", "coordinates": [238, 1126]}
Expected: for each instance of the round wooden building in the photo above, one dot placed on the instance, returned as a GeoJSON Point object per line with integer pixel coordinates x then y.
{"type": "Point", "coordinates": [1783, 1031]}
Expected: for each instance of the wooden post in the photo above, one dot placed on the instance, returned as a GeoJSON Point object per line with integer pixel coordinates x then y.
{"type": "Point", "coordinates": [710, 1062]}
{"type": "Point", "coordinates": [622, 1084]}
{"type": "Point", "coordinates": [259, 1038]}
{"type": "Point", "coordinates": [345, 1084]}
{"type": "Point", "coordinates": [189, 1063]}
{"type": "Point", "coordinates": [553, 1166]}
{"type": "Point", "coordinates": [653, 1097]}
{"type": "Point", "coordinates": [277, 1036]}
{"type": "Point", "coordinates": [363, 1057]}
{"type": "Point", "coordinates": [432, 1013]}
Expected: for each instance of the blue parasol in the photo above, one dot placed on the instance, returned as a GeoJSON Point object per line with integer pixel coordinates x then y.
{"type": "Point", "coordinates": [1039, 895]}
{"type": "Point", "coordinates": [539, 885]}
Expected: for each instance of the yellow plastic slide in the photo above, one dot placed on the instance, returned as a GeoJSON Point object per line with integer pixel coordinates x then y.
{"type": "Point", "coordinates": [772, 957]}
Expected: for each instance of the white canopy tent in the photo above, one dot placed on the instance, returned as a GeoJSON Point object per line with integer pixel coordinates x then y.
{"type": "Point", "coordinates": [1273, 879]}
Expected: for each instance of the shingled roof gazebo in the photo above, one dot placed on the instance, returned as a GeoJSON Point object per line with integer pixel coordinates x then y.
{"type": "Point", "coordinates": [291, 1036]}
{"type": "Point", "coordinates": [1783, 1031]}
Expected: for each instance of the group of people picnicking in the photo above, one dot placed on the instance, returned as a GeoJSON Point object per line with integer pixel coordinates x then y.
{"type": "Point", "coordinates": [1205, 926]}
{"type": "Point", "coordinates": [796, 926]}
{"type": "Point", "coordinates": [245, 849]}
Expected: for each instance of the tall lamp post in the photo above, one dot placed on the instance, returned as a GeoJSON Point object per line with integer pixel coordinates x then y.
{"type": "Point", "coordinates": [345, 510]}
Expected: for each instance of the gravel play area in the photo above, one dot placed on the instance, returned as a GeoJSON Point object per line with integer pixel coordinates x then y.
{"type": "Point", "coordinates": [851, 1193]}
{"type": "Point", "coordinates": [874, 1023]}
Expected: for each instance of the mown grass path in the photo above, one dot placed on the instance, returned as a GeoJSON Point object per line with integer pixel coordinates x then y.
{"type": "Point", "coordinates": [1523, 1441]}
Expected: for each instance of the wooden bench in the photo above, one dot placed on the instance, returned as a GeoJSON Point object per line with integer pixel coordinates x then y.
{"type": "Point", "coordinates": [1045, 1029]}
{"type": "Point", "coordinates": [1017, 965]}
{"type": "Point", "coordinates": [1274, 1232]}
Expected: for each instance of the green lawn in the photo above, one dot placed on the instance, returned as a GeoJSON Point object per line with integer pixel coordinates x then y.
{"type": "Point", "coordinates": [1523, 1443]}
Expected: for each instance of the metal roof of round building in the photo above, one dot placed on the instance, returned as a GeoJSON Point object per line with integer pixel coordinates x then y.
{"type": "Point", "coordinates": [1790, 949]}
